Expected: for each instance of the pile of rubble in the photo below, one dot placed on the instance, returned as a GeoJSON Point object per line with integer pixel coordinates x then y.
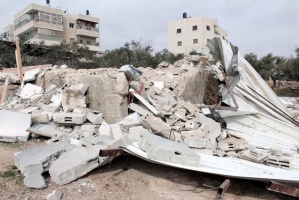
{"type": "Point", "coordinates": [188, 114]}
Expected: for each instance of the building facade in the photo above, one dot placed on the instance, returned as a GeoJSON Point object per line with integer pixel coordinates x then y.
{"type": "Point", "coordinates": [192, 34]}
{"type": "Point", "coordinates": [52, 26]}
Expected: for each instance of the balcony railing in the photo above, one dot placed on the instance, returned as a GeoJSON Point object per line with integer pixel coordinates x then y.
{"type": "Point", "coordinates": [44, 37]}
{"type": "Point", "coordinates": [88, 28]}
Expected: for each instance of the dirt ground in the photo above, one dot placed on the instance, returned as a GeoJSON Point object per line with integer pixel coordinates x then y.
{"type": "Point", "coordinates": [127, 177]}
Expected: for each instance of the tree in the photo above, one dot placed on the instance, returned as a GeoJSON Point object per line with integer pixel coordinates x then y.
{"type": "Point", "coordinates": [253, 61]}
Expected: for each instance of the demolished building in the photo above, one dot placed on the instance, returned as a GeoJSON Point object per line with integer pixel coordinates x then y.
{"type": "Point", "coordinates": [217, 118]}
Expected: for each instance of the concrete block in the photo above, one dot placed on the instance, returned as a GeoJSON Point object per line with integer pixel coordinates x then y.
{"type": "Point", "coordinates": [69, 118]}
{"type": "Point", "coordinates": [165, 150]}
{"type": "Point", "coordinates": [95, 119]}
{"type": "Point", "coordinates": [116, 132]}
{"type": "Point", "coordinates": [81, 110]}
{"type": "Point", "coordinates": [39, 117]}
{"type": "Point", "coordinates": [136, 132]}
{"type": "Point", "coordinates": [253, 155]}
{"type": "Point", "coordinates": [74, 164]}
{"type": "Point", "coordinates": [191, 125]}
{"type": "Point", "coordinates": [35, 180]}
{"type": "Point", "coordinates": [37, 159]}
{"type": "Point", "coordinates": [104, 129]}
{"type": "Point", "coordinates": [55, 195]}
{"type": "Point", "coordinates": [140, 110]}
{"type": "Point", "coordinates": [131, 121]}
{"type": "Point", "coordinates": [156, 125]}
{"type": "Point", "coordinates": [232, 144]}
{"type": "Point", "coordinates": [190, 108]}
{"type": "Point", "coordinates": [279, 162]}
{"type": "Point", "coordinates": [13, 126]}
{"type": "Point", "coordinates": [30, 90]}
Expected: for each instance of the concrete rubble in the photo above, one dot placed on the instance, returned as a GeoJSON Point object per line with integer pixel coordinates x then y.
{"type": "Point", "coordinates": [181, 114]}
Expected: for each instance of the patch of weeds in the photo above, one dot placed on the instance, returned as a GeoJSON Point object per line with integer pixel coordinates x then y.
{"type": "Point", "coordinates": [11, 172]}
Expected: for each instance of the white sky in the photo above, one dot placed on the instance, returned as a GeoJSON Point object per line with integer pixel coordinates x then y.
{"type": "Point", "coordinates": [258, 26]}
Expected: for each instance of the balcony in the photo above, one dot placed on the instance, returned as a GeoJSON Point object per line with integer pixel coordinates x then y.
{"type": "Point", "coordinates": [29, 24]}
{"type": "Point", "coordinates": [94, 48]}
{"type": "Point", "coordinates": [88, 18]}
{"type": "Point", "coordinates": [87, 31]}
{"type": "Point", "coordinates": [47, 39]}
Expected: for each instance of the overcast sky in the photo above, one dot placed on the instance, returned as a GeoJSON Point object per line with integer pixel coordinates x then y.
{"type": "Point", "coordinates": [259, 26]}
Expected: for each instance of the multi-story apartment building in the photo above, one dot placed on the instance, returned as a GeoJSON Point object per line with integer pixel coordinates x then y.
{"type": "Point", "coordinates": [9, 33]}
{"type": "Point", "coordinates": [192, 34]}
{"type": "Point", "coordinates": [53, 26]}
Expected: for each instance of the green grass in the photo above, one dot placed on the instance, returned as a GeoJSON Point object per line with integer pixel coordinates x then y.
{"type": "Point", "coordinates": [11, 172]}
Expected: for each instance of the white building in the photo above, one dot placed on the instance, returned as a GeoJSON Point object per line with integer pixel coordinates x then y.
{"type": "Point", "coordinates": [193, 33]}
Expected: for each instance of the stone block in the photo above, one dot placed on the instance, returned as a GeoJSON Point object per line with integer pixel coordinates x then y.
{"type": "Point", "coordinates": [52, 107]}
{"type": "Point", "coordinates": [165, 150]}
{"type": "Point", "coordinates": [104, 129]}
{"type": "Point", "coordinates": [69, 118]}
{"type": "Point", "coordinates": [89, 128]}
{"type": "Point", "coordinates": [77, 88]}
{"type": "Point", "coordinates": [190, 108]}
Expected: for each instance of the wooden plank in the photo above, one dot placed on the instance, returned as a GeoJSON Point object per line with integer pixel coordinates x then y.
{"type": "Point", "coordinates": [4, 91]}
{"type": "Point", "coordinates": [19, 61]}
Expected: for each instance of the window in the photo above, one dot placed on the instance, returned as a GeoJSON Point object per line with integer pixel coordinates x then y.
{"type": "Point", "coordinates": [72, 40]}
{"type": "Point", "coordinates": [179, 43]}
{"type": "Point", "coordinates": [208, 28]}
{"type": "Point", "coordinates": [88, 42]}
{"type": "Point", "coordinates": [194, 28]}
{"type": "Point", "coordinates": [71, 25]}
{"type": "Point", "coordinates": [195, 41]}
{"type": "Point", "coordinates": [178, 30]}
{"type": "Point", "coordinates": [81, 41]}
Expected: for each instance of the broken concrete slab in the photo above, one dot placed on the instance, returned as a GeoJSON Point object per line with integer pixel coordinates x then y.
{"type": "Point", "coordinates": [55, 195]}
{"type": "Point", "coordinates": [47, 130]}
{"type": "Point", "coordinates": [37, 159]}
{"type": "Point", "coordinates": [29, 90]}
{"type": "Point", "coordinates": [9, 132]}
{"type": "Point", "coordinates": [156, 125]}
{"type": "Point", "coordinates": [74, 164]}
{"type": "Point", "coordinates": [35, 180]}
{"type": "Point", "coordinates": [161, 149]}
{"type": "Point", "coordinates": [69, 118]}
{"type": "Point", "coordinates": [140, 110]}
{"type": "Point", "coordinates": [77, 88]}
{"type": "Point", "coordinates": [136, 132]}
